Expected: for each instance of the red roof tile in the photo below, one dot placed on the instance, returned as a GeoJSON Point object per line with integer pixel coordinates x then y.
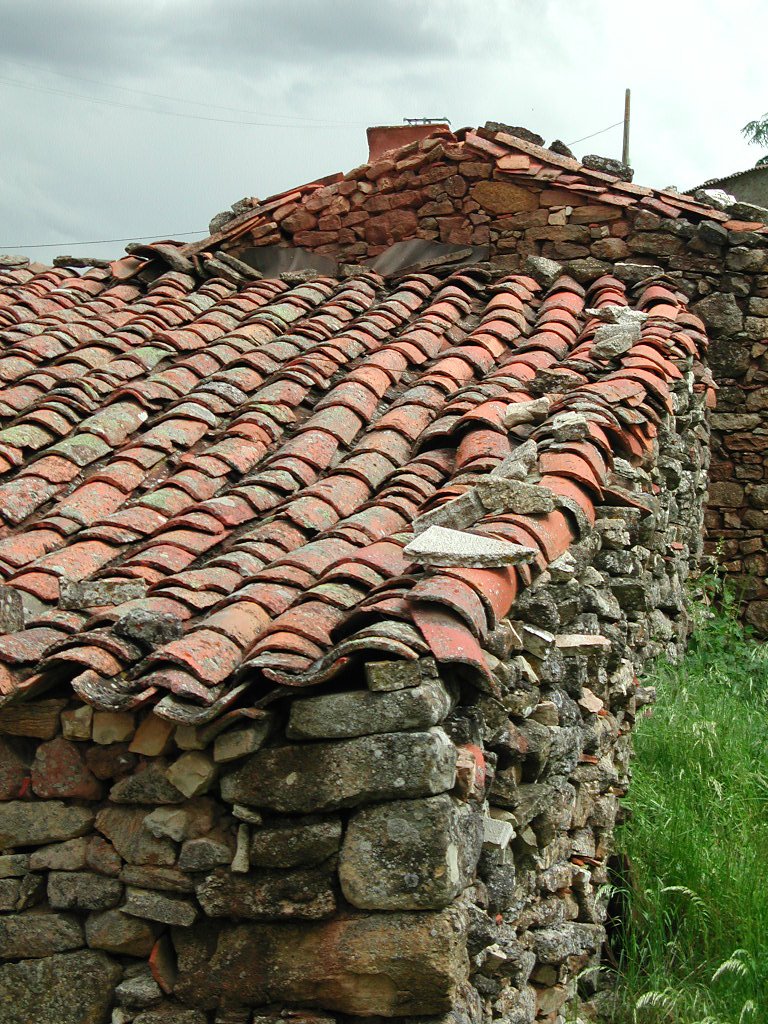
{"type": "Point", "coordinates": [256, 453]}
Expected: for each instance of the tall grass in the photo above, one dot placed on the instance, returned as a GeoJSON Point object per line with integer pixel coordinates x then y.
{"type": "Point", "coordinates": [695, 938]}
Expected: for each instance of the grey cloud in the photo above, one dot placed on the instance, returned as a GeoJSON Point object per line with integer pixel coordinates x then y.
{"type": "Point", "coordinates": [75, 169]}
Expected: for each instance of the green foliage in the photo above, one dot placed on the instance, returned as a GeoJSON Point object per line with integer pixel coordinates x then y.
{"type": "Point", "coordinates": [695, 940]}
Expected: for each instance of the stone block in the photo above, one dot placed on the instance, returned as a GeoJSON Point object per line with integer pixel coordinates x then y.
{"type": "Point", "coordinates": [295, 843]}
{"type": "Point", "coordinates": [115, 932]}
{"type": "Point", "coordinates": [725, 494]}
{"type": "Point", "coordinates": [147, 876]}
{"type": "Point", "coordinates": [366, 965]}
{"type": "Point", "coordinates": [360, 712]}
{"type": "Point", "coordinates": [150, 629]}
{"type": "Point", "coordinates": [77, 723]}
{"type": "Point", "coordinates": [70, 988]}
{"type": "Point", "coordinates": [34, 824]}
{"type": "Point", "coordinates": [154, 906]}
{"type": "Point", "coordinates": [269, 895]}
{"type": "Point", "coordinates": [14, 773]}
{"type": "Point", "coordinates": [113, 761]}
{"type": "Point", "coordinates": [125, 829]}
{"type": "Point", "coordinates": [112, 727]}
{"type": "Point", "coordinates": [170, 1015]}
{"type": "Point", "coordinates": [504, 197]}
{"type": "Point", "coordinates": [138, 990]}
{"type": "Point", "coordinates": [438, 545]}
{"type": "Point", "coordinates": [14, 865]}
{"type": "Point", "coordinates": [11, 610]}
{"type": "Point", "coordinates": [720, 312]}
{"type": "Point", "coordinates": [153, 736]}
{"type": "Point", "coordinates": [102, 857]}
{"type": "Point", "coordinates": [10, 894]}
{"type": "Point", "coordinates": [191, 821]}
{"type": "Point", "coordinates": [193, 773]}
{"type": "Point", "coordinates": [38, 934]}
{"type": "Point", "coordinates": [81, 594]}
{"type": "Point", "coordinates": [59, 771]}
{"type": "Point", "coordinates": [81, 890]}
{"type": "Point", "coordinates": [383, 676]}
{"type": "Point", "coordinates": [410, 854]}
{"type": "Point", "coordinates": [151, 785]}
{"type": "Point", "coordinates": [324, 776]}
{"type": "Point", "coordinates": [229, 746]}
{"type": "Point", "coordinates": [39, 720]}
{"type": "Point", "coordinates": [205, 853]}
{"type": "Point", "coordinates": [68, 856]}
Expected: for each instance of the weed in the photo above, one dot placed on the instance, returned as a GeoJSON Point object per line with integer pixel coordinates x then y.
{"type": "Point", "coordinates": [694, 942]}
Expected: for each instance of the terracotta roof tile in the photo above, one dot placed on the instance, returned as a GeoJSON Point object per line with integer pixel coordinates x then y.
{"type": "Point", "coordinates": [257, 455]}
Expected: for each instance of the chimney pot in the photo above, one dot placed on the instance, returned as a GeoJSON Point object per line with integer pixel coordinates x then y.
{"type": "Point", "coordinates": [383, 138]}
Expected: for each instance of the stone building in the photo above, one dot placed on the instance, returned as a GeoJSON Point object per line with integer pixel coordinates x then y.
{"type": "Point", "coordinates": [333, 549]}
{"type": "Point", "coordinates": [749, 186]}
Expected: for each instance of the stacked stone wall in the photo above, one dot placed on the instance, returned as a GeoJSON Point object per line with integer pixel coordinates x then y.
{"type": "Point", "coordinates": [402, 845]}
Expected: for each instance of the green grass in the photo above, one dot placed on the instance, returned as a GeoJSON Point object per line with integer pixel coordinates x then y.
{"type": "Point", "coordinates": [695, 939]}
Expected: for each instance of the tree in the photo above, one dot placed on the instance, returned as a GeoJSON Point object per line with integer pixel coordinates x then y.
{"type": "Point", "coordinates": [756, 133]}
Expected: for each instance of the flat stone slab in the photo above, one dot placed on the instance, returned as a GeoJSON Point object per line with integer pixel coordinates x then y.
{"type": "Point", "coordinates": [77, 594]}
{"type": "Point", "coordinates": [361, 713]}
{"type": "Point", "coordinates": [23, 823]}
{"type": "Point", "coordinates": [155, 906]}
{"type": "Point", "coordinates": [297, 842]}
{"type": "Point", "coordinates": [581, 643]}
{"type": "Point", "coordinates": [441, 546]}
{"type": "Point", "coordinates": [367, 965]}
{"type": "Point", "coordinates": [314, 777]}
{"type": "Point", "coordinates": [33, 935]}
{"type": "Point", "coordinates": [306, 894]}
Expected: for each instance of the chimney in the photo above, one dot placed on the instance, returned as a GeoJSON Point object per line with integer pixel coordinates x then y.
{"type": "Point", "coordinates": [382, 138]}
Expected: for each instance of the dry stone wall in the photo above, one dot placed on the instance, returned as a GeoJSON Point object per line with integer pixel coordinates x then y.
{"type": "Point", "coordinates": [405, 845]}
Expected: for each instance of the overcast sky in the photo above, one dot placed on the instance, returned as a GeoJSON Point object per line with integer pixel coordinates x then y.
{"type": "Point", "coordinates": [111, 112]}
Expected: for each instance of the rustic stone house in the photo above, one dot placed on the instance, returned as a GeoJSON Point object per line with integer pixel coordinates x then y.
{"type": "Point", "coordinates": [332, 549]}
{"type": "Point", "coordinates": [747, 186]}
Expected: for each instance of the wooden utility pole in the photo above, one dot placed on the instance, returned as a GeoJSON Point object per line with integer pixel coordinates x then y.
{"type": "Point", "coordinates": [625, 146]}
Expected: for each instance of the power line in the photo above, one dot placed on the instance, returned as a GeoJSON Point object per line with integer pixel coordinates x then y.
{"type": "Point", "coordinates": [104, 241]}
{"type": "Point", "coordinates": [166, 113]}
{"type": "Point", "coordinates": [178, 99]}
{"type": "Point", "coordinates": [602, 130]}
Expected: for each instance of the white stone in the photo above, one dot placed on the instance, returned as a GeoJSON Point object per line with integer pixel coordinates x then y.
{"type": "Point", "coordinates": [241, 861]}
{"type": "Point", "coordinates": [614, 314]}
{"type": "Point", "coordinates": [497, 833]}
{"type": "Point", "coordinates": [581, 643]}
{"type": "Point", "coordinates": [441, 546]}
{"type": "Point", "coordinates": [527, 412]}
{"type": "Point", "coordinates": [536, 641]}
{"type": "Point", "coordinates": [563, 568]}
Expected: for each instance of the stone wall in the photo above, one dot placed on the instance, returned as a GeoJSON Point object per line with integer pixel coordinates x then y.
{"type": "Point", "coordinates": [466, 193]}
{"type": "Point", "coordinates": [407, 845]}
